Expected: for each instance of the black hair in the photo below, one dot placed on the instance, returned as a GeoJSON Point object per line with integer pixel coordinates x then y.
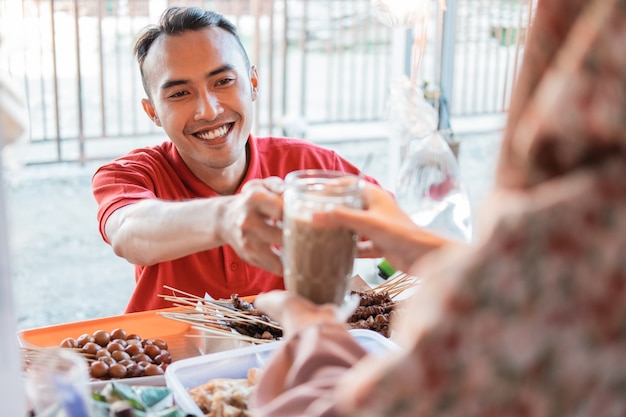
{"type": "Point", "coordinates": [177, 20]}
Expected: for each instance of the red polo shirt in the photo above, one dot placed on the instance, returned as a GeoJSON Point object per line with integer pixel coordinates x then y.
{"type": "Point", "coordinates": [159, 172]}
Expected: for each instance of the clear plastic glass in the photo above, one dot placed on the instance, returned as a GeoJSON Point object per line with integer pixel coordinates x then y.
{"type": "Point", "coordinates": [431, 191]}
{"type": "Point", "coordinates": [57, 384]}
{"type": "Point", "coordinates": [318, 259]}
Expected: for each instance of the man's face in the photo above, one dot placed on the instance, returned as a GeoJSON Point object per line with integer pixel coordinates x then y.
{"type": "Point", "coordinates": [201, 93]}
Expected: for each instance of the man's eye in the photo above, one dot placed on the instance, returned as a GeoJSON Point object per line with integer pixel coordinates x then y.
{"type": "Point", "coordinates": [226, 81]}
{"type": "Point", "coordinates": [178, 94]}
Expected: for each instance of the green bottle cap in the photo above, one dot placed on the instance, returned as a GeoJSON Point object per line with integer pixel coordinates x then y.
{"type": "Point", "coordinates": [385, 270]}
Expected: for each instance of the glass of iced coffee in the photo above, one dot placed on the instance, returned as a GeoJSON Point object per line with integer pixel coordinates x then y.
{"type": "Point", "coordinates": [317, 258]}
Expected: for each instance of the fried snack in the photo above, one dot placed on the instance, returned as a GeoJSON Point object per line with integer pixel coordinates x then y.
{"type": "Point", "coordinates": [373, 313]}
{"type": "Point", "coordinates": [226, 397]}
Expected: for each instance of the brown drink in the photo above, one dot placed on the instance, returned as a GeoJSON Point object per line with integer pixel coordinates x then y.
{"type": "Point", "coordinates": [318, 259]}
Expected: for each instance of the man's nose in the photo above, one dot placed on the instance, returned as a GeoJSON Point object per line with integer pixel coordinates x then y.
{"type": "Point", "coordinates": [208, 106]}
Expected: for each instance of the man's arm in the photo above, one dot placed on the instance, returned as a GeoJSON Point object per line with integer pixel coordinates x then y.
{"type": "Point", "coordinates": [153, 231]}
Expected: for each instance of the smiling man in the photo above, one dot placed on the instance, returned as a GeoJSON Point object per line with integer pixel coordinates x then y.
{"type": "Point", "coordinates": [199, 212]}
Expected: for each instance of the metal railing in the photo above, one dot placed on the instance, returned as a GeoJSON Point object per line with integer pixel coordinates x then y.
{"type": "Point", "coordinates": [490, 36]}
{"type": "Point", "coordinates": [320, 61]}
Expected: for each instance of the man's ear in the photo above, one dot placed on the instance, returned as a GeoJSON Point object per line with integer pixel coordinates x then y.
{"type": "Point", "coordinates": [254, 81]}
{"type": "Point", "coordinates": [149, 109]}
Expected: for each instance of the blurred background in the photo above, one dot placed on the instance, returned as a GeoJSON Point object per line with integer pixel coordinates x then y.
{"type": "Point", "coordinates": [326, 68]}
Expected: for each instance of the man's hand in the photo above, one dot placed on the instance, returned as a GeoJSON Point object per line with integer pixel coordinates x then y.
{"type": "Point", "coordinates": [251, 223]}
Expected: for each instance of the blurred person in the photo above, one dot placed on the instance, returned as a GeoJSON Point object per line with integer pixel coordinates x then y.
{"type": "Point", "coordinates": [527, 321]}
{"type": "Point", "coordinates": [198, 212]}
{"type": "Point", "coordinates": [12, 126]}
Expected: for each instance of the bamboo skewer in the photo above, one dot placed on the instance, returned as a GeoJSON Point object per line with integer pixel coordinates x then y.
{"type": "Point", "coordinates": [213, 329]}
{"type": "Point", "coordinates": [34, 355]}
{"type": "Point", "coordinates": [214, 318]}
{"type": "Point", "coordinates": [228, 313]}
{"type": "Point", "coordinates": [224, 334]}
{"type": "Point", "coordinates": [396, 284]}
{"type": "Point", "coordinates": [219, 318]}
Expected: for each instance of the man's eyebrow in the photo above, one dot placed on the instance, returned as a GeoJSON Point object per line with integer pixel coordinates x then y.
{"type": "Point", "coordinates": [173, 83]}
{"type": "Point", "coordinates": [223, 68]}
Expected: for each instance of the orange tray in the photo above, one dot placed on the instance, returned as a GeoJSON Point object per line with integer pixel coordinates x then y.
{"type": "Point", "coordinates": [146, 324]}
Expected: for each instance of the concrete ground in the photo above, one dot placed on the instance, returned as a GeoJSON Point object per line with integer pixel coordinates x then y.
{"type": "Point", "coordinates": [64, 272]}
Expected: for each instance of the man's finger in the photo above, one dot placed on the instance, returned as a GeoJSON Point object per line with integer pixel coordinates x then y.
{"type": "Point", "coordinates": [275, 185]}
{"type": "Point", "coordinates": [264, 256]}
{"type": "Point", "coordinates": [267, 203]}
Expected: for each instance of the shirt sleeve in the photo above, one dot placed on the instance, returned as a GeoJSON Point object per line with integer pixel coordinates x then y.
{"type": "Point", "coordinates": [115, 186]}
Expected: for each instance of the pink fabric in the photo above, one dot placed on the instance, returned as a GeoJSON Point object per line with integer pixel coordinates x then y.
{"type": "Point", "coordinates": [301, 377]}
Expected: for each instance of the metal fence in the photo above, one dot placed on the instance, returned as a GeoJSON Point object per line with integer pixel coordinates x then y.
{"type": "Point", "coordinates": [489, 42]}
{"type": "Point", "coordinates": [320, 61]}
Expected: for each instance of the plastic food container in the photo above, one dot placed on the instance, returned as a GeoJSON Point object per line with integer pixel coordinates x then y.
{"type": "Point", "coordinates": [189, 373]}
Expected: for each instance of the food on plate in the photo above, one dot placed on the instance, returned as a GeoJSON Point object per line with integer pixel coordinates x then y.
{"type": "Point", "coordinates": [116, 354]}
{"type": "Point", "coordinates": [374, 312]}
{"type": "Point", "coordinates": [239, 319]}
{"type": "Point", "coordinates": [263, 328]}
{"type": "Point", "coordinates": [226, 397]}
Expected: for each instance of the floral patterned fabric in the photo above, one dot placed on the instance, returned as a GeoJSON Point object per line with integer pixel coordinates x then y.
{"type": "Point", "coordinates": [568, 108]}
{"type": "Point", "coordinates": [533, 323]}
{"type": "Point", "coordinates": [531, 320]}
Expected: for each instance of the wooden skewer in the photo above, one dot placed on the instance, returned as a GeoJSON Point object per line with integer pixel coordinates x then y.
{"type": "Point", "coordinates": [188, 295]}
{"type": "Point", "coordinates": [396, 284]}
{"type": "Point", "coordinates": [230, 317]}
{"type": "Point", "coordinates": [211, 329]}
{"type": "Point", "coordinates": [228, 313]}
{"type": "Point", "coordinates": [234, 336]}
{"type": "Point", "coordinates": [219, 318]}
{"type": "Point", "coordinates": [30, 355]}
{"type": "Point", "coordinates": [192, 320]}
{"type": "Point", "coordinates": [213, 318]}
{"type": "Point", "coordinates": [223, 334]}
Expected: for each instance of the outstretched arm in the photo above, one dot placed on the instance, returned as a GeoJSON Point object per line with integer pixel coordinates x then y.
{"type": "Point", "coordinates": [153, 231]}
{"type": "Point", "coordinates": [388, 231]}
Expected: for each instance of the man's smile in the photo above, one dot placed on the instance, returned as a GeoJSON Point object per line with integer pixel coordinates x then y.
{"type": "Point", "coordinates": [214, 133]}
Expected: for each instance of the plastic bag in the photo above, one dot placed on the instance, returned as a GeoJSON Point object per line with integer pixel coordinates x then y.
{"type": "Point", "coordinates": [431, 191]}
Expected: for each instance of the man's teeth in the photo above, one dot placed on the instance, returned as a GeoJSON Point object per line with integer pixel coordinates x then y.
{"type": "Point", "coordinates": [215, 133]}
